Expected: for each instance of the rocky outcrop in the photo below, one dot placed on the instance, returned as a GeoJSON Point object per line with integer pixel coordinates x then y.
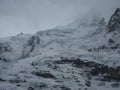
{"type": "Point", "coordinates": [33, 41]}
{"type": "Point", "coordinates": [5, 47]}
{"type": "Point", "coordinates": [95, 69]}
{"type": "Point", "coordinates": [111, 34]}
{"type": "Point", "coordinates": [30, 45]}
{"type": "Point", "coordinates": [114, 22]}
{"type": "Point", "coordinates": [113, 30]}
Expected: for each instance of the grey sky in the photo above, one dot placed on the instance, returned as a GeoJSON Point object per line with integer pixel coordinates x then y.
{"type": "Point", "coordinates": [30, 16]}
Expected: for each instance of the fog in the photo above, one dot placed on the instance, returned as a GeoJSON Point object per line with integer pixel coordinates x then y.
{"type": "Point", "coordinates": [30, 16]}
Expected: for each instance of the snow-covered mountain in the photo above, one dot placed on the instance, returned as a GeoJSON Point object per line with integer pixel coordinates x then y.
{"type": "Point", "coordinates": [113, 30]}
{"type": "Point", "coordinates": [11, 47]}
{"type": "Point", "coordinates": [83, 55]}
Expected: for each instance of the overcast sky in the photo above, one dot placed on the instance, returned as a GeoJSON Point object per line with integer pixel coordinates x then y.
{"type": "Point", "coordinates": [30, 16]}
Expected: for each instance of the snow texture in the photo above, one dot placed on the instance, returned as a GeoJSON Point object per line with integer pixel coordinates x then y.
{"type": "Point", "coordinates": [84, 55]}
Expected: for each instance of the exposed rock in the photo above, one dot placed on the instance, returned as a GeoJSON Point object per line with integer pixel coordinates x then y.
{"type": "Point", "coordinates": [114, 22]}
{"type": "Point", "coordinates": [5, 47]}
{"type": "Point", "coordinates": [32, 42]}
{"type": "Point", "coordinates": [44, 74]}
{"type": "Point", "coordinates": [17, 80]}
{"type": "Point", "coordinates": [2, 80]}
{"type": "Point", "coordinates": [108, 73]}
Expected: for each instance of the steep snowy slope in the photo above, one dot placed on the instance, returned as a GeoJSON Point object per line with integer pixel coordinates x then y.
{"type": "Point", "coordinates": [113, 30]}
{"type": "Point", "coordinates": [75, 36]}
{"type": "Point", "coordinates": [49, 72]}
{"type": "Point", "coordinates": [80, 56]}
{"type": "Point", "coordinates": [11, 47]}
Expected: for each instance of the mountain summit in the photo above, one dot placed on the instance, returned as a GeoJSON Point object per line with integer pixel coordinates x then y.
{"type": "Point", "coordinates": [114, 22]}
{"type": "Point", "coordinates": [113, 29]}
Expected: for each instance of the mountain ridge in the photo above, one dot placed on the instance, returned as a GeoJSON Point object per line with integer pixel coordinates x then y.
{"type": "Point", "coordinates": [83, 55]}
{"type": "Point", "coordinates": [93, 29]}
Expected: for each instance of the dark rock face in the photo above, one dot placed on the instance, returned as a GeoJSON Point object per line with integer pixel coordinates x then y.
{"type": "Point", "coordinates": [113, 28]}
{"type": "Point", "coordinates": [114, 22]}
{"type": "Point", "coordinates": [33, 41]}
{"type": "Point", "coordinates": [44, 74]}
{"type": "Point", "coordinates": [112, 33]}
{"type": "Point", "coordinates": [94, 69]}
{"type": "Point", "coordinates": [38, 86]}
{"type": "Point", "coordinates": [30, 45]}
{"type": "Point", "coordinates": [5, 47]}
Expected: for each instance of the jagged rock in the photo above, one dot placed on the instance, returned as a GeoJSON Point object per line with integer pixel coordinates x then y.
{"type": "Point", "coordinates": [113, 31]}
{"type": "Point", "coordinates": [44, 74]}
{"type": "Point", "coordinates": [5, 47]}
{"type": "Point", "coordinates": [113, 27]}
{"type": "Point", "coordinates": [108, 73]}
{"type": "Point", "coordinates": [33, 40]}
{"type": "Point", "coordinates": [114, 22]}
{"type": "Point", "coordinates": [30, 45]}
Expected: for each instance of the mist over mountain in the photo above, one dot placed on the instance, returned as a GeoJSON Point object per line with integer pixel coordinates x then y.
{"type": "Point", "coordinates": [30, 16]}
{"type": "Point", "coordinates": [82, 55]}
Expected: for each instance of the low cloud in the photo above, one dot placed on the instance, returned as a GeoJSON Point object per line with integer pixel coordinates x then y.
{"type": "Point", "coordinates": [30, 16]}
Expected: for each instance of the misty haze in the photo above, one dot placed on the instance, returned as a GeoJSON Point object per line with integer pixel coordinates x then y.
{"type": "Point", "coordinates": [59, 44]}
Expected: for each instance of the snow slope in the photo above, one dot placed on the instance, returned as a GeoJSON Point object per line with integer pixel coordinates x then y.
{"type": "Point", "coordinates": [83, 55]}
{"type": "Point", "coordinates": [11, 47]}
